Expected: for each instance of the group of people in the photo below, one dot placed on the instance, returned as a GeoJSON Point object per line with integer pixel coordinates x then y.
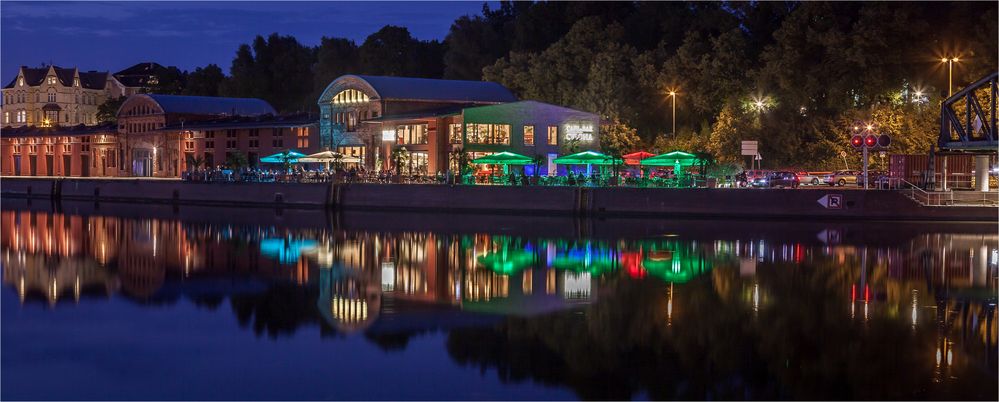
{"type": "Point", "coordinates": [294, 174]}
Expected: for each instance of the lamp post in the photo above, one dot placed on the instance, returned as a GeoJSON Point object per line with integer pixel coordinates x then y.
{"type": "Point", "coordinates": [672, 94]}
{"type": "Point", "coordinates": [950, 73]}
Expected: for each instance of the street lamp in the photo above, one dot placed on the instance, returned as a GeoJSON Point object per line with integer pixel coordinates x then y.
{"type": "Point", "coordinates": [950, 74]}
{"type": "Point", "coordinates": [672, 94]}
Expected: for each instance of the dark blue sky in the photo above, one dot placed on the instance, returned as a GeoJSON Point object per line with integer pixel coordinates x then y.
{"type": "Point", "coordinates": [110, 36]}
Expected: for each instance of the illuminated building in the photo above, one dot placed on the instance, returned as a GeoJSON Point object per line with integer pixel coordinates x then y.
{"type": "Point", "coordinates": [50, 95]}
{"type": "Point", "coordinates": [374, 118]}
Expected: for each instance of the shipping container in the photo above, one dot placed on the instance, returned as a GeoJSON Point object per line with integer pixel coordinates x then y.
{"type": "Point", "coordinates": [914, 169]}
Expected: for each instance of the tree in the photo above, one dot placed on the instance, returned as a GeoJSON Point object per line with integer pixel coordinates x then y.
{"type": "Point", "coordinates": [472, 43]}
{"type": "Point", "coordinates": [236, 160]}
{"type": "Point", "coordinates": [204, 81]}
{"type": "Point", "coordinates": [334, 57]}
{"type": "Point", "coordinates": [618, 139]}
{"type": "Point", "coordinates": [169, 81]}
{"type": "Point", "coordinates": [107, 112]}
{"type": "Point", "coordinates": [393, 51]}
{"type": "Point", "coordinates": [277, 69]}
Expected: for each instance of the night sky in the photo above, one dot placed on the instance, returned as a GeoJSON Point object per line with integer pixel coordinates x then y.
{"type": "Point", "coordinates": [110, 36]}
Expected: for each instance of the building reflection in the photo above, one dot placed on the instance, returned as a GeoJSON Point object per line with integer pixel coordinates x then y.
{"type": "Point", "coordinates": [941, 287]}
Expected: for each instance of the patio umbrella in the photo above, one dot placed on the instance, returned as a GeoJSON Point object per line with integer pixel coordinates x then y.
{"type": "Point", "coordinates": [290, 156]}
{"type": "Point", "coordinates": [504, 158]}
{"type": "Point", "coordinates": [635, 158]}
{"type": "Point", "coordinates": [587, 158]}
{"type": "Point", "coordinates": [672, 159]}
{"type": "Point", "coordinates": [328, 156]}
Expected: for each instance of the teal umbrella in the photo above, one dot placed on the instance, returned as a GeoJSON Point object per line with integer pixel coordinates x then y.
{"type": "Point", "coordinates": [290, 156]}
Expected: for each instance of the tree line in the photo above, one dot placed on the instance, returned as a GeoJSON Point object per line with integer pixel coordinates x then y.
{"type": "Point", "coordinates": [795, 76]}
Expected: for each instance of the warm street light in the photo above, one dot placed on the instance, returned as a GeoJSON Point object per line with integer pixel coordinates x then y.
{"type": "Point", "coordinates": [870, 127]}
{"type": "Point", "coordinates": [672, 94]}
{"type": "Point", "coordinates": [950, 74]}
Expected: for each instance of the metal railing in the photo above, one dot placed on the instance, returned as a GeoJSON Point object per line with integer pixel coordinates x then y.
{"type": "Point", "coordinates": [948, 198]}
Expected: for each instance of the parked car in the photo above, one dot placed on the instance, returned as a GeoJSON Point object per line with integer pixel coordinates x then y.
{"type": "Point", "coordinates": [841, 178]}
{"type": "Point", "coordinates": [778, 179]}
{"type": "Point", "coordinates": [747, 177]}
{"type": "Point", "coordinates": [811, 178]}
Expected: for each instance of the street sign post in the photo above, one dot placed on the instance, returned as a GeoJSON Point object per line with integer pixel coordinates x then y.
{"type": "Point", "coordinates": [751, 148]}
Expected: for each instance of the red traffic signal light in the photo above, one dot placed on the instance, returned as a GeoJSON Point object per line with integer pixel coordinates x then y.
{"type": "Point", "coordinates": [884, 140]}
{"type": "Point", "coordinates": [857, 141]}
{"type": "Point", "coordinates": [871, 141]}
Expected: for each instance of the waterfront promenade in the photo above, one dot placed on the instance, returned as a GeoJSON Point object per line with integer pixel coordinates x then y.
{"type": "Point", "coordinates": [832, 203]}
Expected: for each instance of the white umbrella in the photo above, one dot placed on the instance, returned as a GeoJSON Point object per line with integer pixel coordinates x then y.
{"type": "Point", "coordinates": [328, 156]}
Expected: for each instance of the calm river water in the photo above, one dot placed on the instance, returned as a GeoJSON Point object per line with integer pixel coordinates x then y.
{"type": "Point", "coordinates": [121, 301]}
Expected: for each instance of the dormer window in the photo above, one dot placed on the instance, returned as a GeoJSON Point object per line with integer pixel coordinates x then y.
{"type": "Point", "coordinates": [20, 81]}
{"type": "Point", "coordinates": [51, 80]}
{"type": "Point", "coordinates": [76, 82]}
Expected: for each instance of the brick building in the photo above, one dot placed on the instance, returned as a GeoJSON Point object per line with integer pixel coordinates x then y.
{"type": "Point", "coordinates": [157, 136]}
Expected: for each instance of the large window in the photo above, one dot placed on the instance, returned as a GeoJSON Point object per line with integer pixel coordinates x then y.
{"type": "Point", "coordinates": [529, 135]}
{"type": "Point", "coordinates": [488, 133]}
{"type": "Point", "coordinates": [52, 97]}
{"type": "Point", "coordinates": [412, 134]}
{"type": "Point", "coordinates": [454, 133]}
{"type": "Point", "coordinates": [552, 135]}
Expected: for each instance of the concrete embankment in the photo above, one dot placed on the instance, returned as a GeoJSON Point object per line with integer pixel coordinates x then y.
{"type": "Point", "coordinates": [824, 204]}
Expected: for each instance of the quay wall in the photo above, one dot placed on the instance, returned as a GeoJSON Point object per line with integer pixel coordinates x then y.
{"type": "Point", "coordinates": [545, 201]}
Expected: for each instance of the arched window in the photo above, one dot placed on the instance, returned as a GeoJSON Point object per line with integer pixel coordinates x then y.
{"type": "Point", "coordinates": [350, 96]}
{"type": "Point", "coordinates": [52, 96]}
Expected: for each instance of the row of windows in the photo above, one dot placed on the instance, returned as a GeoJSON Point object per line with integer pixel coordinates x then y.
{"type": "Point", "coordinates": [51, 117]}
{"type": "Point", "coordinates": [350, 96]}
{"type": "Point", "coordinates": [253, 143]}
{"type": "Point", "coordinates": [496, 134]}
{"type": "Point", "coordinates": [51, 96]}
{"type": "Point", "coordinates": [139, 127]}
{"type": "Point", "coordinates": [140, 110]}
{"type": "Point", "coordinates": [233, 133]}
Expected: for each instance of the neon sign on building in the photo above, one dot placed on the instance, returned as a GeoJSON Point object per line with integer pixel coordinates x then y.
{"type": "Point", "coordinates": [579, 131]}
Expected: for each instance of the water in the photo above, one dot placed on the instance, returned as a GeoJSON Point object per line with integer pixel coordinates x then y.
{"type": "Point", "coordinates": [121, 301]}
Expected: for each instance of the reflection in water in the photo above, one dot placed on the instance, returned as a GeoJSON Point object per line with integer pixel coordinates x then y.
{"type": "Point", "coordinates": [671, 317]}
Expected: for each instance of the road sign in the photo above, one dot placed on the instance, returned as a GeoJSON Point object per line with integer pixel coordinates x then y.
{"type": "Point", "coordinates": [831, 201]}
{"type": "Point", "coordinates": [750, 148]}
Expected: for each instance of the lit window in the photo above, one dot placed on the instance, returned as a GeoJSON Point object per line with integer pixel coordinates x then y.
{"type": "Point", "coordinates": [20, 81]}
{"type": "Point", "coordinates": [6, 117]}
{"type": "Point", "coordinates": [412, 134]}
{"type": "Point", "coordinates": [454, 133]}
{"type": "Point", "coordinates": [529, 135]}
{"type": "Point", "coordinates": [76, 82]}
{"type": "Point", "coordinates": [488, 133]}
{"type": "Point", "coordinates": [52, 80]}
{"type": "Point", "coordinates": [349, 96]}
{"type": "Point", "coordinates": [552, 135]}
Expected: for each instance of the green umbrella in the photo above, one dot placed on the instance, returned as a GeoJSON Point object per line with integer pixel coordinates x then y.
{"type": "Point", "coordinates": [504, 158]}
{"type": "Point", "coordinates": [506, 262]}
{"type": "Point", "coordinates": [588, 158]}
{"type": "Point", "coordinates": [290, 156]}
{"type": "Point", "coordinates": [672, 159]}
{"type": "Point", "coordinates": [679, 265]}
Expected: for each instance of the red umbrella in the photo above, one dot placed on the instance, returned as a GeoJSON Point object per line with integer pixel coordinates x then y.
{"type": "Point", "coordinates": [635, 158]}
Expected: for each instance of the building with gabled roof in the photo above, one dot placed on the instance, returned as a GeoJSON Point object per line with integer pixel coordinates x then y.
{"type": "Point", "coordinates": [52, 95]}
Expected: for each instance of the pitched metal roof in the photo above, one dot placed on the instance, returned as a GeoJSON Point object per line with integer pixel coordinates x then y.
{"type": "Point", "coordinates": [211, 105]}
{"type": "Point", "coordinates": [36, 76]}
{"type": "Point", "coordinates": [438, 90]}
{"type": "Point", "coordinates": [139, 74]}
